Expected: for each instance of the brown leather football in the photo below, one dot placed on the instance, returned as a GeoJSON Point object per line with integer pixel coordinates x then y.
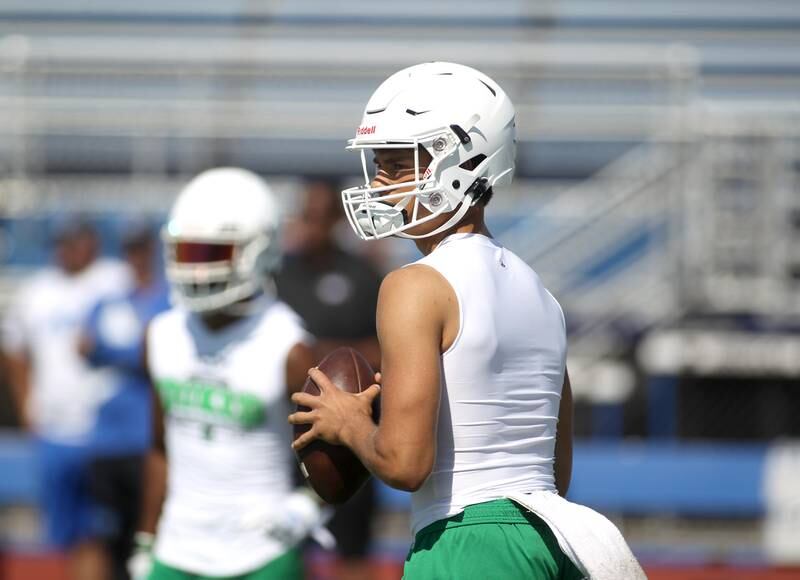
{"type": "Point", "coordinates": [334, 471]}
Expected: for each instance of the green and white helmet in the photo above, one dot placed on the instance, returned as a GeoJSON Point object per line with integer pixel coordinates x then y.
{"type": "Point", "coordinates": [221, 239]}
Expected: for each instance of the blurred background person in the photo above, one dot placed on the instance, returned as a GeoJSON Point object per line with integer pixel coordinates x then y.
{"type": "Point", "coordinates": [331, 287]}
{"type": "Point", "coordinates": [335, 291]}
{"type": "Point", "coordinates": [224, 361]}
{"type": "Point", "coordinates": [57, 394]}
{"type": "Point", "coordinates": [113, 338]}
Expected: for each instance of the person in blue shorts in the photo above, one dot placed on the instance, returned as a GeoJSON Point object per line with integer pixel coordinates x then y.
{"type": "Point", "coordinates": [113, 339]}
{"type": "Point", "coordinates": [56, 391]}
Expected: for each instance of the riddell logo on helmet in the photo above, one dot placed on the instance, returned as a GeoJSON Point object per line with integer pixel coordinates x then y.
{"type": "Point", "coordinates": [365, 130]}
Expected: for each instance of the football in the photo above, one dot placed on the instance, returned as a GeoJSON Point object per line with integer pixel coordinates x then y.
{"type": "Point", "coordinates": [333, 471]}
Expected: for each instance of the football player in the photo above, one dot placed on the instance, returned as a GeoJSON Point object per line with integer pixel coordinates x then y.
{"type": "Point", "coordinates": [223, 362]}
{"type": "Point", "coordinates": [476, 406]}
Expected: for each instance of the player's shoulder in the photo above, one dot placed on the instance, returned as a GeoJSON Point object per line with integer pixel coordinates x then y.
{"type": "Point", "coordinates": [280, 324]}
{"type": "Point", "coordinates": [48, 280]}
{"type": "Point", "coordinates": [278, 314]}
{"type": "Point", "coordinates": [417, 275]}
{"type": "Point", "coordinates": [417, 286]}
{"type": "Point", "coordinates": [108, 264]}
{"type": "Point", "coordinates": [167, 319]}
{"type": "Point", "coordinates": [523, 269]}
{"type": "Point", "coordinates": [42, 278]}
{"type": "Point", "coordinates": [110, 267]}
{"type": "Point", "coordinates": [107, 275]}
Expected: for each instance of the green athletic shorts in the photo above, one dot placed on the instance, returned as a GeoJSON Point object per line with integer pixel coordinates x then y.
{"type": "Point", "coordinates": [289, 566]}
{"type": "Point", "coordinates": [496, 539]}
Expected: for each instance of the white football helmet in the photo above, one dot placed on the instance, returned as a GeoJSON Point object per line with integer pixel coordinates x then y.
{"type": "Point", "coordinates": [462, 118]}
{"type": "Point", "coordinates": [221, 239]}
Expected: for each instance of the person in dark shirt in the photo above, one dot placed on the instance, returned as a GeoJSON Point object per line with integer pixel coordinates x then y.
{"type": "Point", "coordinates": [334, 290]}
{"type": "Point", "coordinates": [336, 293]}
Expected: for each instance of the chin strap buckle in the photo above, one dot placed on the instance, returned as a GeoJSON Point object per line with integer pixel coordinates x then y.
{"type": "Point", "coordinates": [478, 189]}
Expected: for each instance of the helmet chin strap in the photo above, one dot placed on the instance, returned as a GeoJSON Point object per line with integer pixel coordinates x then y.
{"type": "Point", "coordinates": [244, 301]}
{"type": "Point", "coordinates": [457, 216]}
{"type": "Point", "coordinates": [253, 303]}
{"type": "Point", "coordinates": [378, 218]}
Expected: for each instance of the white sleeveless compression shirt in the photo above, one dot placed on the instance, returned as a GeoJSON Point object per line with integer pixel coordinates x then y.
{"type": "Point", "coordinates": [501, 381]}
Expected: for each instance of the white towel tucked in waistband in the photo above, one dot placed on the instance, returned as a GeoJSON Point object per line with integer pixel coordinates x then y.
{"type": "Point", "coordinates": [586, 537]}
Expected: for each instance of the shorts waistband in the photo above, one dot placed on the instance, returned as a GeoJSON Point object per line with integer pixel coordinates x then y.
{"type": "Point", "coordinates": [498, 511]}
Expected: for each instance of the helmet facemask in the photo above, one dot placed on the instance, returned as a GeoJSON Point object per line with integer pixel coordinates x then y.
{"type": "Point", "coordinates": [377, 212]}
{"type": "Point", "coordinates": [214, 275]}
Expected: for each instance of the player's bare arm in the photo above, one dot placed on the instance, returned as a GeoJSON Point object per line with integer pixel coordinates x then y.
{"type": "Point", "coordinates": [299, 360]}
{"type": "Point", "coordinates": [155, 475]}
{"type": "Point", "coordinates": [17, 366]}
{"type": "Point", "coordinates": [155, 468]}
{"type": "Point", "coordinates": [563, 452]}
{"type": "Point", "coordinates": [417, 319]}
{"type": "Point", "coordinates": [154, 488]}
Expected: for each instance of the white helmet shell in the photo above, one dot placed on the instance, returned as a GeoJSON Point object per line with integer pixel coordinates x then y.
{"type": "Point", "coordinates": [221, 239]}
{"type": "Point", "coordinates": [466, 123]}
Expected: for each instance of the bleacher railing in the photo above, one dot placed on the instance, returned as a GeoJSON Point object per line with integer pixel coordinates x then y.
{"type": "Point", "coordinates": [152, 105]}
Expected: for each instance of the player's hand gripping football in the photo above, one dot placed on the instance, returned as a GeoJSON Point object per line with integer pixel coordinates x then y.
{"type": "Point", "coordinates": [332, 411]}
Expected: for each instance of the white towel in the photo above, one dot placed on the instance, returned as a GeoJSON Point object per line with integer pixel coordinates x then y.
{"type": "Point", "coordinates": [586, 537]}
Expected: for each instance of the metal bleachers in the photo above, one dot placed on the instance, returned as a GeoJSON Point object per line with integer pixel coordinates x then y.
{"type": "Point", "coordinates": [134, 96]}
{"type": "Point", "coordinates": [173, 86]}
{"type": "Point", "coordinates": [140, 86]}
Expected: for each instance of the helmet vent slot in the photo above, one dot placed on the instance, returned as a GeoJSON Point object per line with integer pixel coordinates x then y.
{"type": "Point", "coordinates": [473, 162]}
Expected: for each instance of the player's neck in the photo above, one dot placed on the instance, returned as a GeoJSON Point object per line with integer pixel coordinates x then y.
{"type": "Point", "coordinates": [221, 319]}
{"type": "Point", "coordinates": [144, 279]}
{"type": "Point", "coordinates": [74, 270]}
{"type": "Point", "coordinates": [472, 223]}
{"type": "Point", "coordinates": [217, 321]}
